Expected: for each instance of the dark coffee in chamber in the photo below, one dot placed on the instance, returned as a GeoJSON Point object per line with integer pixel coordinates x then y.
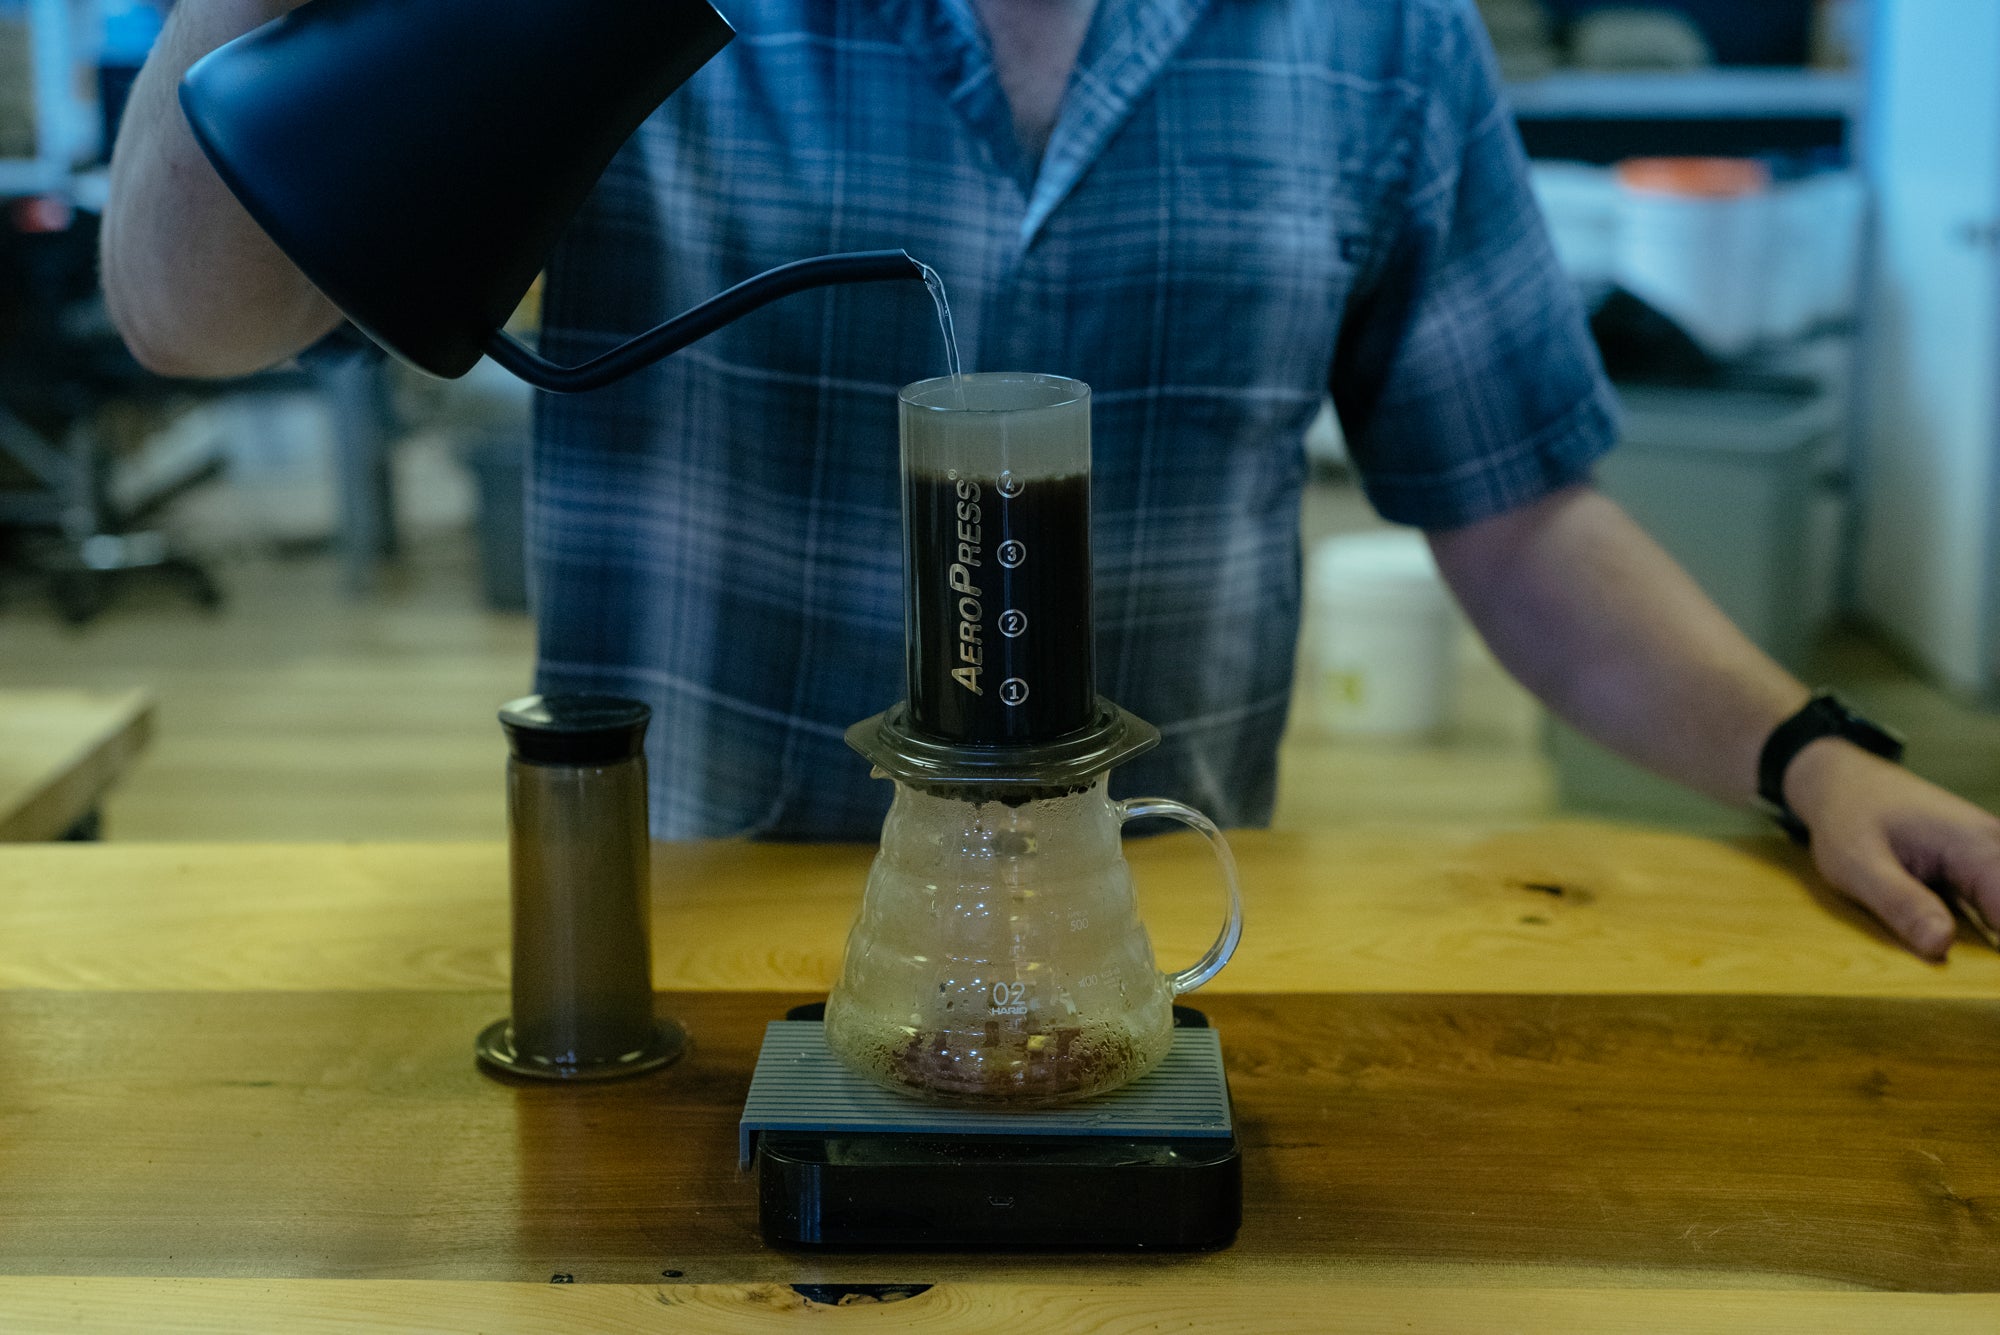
{"type": "Point", "coordinates": [999, 607]}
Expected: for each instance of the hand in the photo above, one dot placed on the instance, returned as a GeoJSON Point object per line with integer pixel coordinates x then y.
{"type": "Point", "coordinates": [1879, 832]}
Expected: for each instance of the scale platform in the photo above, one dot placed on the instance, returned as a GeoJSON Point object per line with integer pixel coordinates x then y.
{"type": "Point", "coordinates": [843, 1163]}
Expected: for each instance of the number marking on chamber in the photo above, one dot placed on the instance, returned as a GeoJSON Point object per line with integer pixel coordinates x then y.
{"type": "Point", "coordinates": [1013, 691]}
{"type": "Point", "coordinates": [1012, 552]}
{"type": "Point", "coordinates": [1010, 998]}
{"type": "Point", "coordinates": [1012, 622]}
{"type": "Point", "coordinates": [1011, 486]}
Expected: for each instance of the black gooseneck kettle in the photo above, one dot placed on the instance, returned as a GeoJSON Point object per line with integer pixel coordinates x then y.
{"type": "Point", "coordinates": [418, 162]}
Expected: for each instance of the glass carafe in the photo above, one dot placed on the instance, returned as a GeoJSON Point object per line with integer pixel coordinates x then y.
{"type": "Point", "coordinates": [999, 956]}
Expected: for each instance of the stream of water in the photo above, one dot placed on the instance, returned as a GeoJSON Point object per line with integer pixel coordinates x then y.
{"type": "Point", "coordinates": [935, 284]}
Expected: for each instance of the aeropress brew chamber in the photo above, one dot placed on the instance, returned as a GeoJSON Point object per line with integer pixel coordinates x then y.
{"type": "Point", "coordinates": [1002, 697]}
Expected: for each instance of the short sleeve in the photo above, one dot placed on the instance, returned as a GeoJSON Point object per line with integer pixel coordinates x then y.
{"type": "Point", "coordinates": [1465, 377]}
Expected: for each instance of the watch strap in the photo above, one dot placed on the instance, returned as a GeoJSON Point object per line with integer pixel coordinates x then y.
{"type": "Point", "coordinates": [1825, 715]}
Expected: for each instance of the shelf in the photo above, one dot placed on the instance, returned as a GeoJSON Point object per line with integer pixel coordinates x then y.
{"type": "Point", "coordinates": [27, 176]}
{"type": "Point", "coordinates": [1713, 94]}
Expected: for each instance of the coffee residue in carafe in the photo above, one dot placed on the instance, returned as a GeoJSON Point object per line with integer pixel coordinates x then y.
{"type": "Point", "coordinates": [1000, 1065]}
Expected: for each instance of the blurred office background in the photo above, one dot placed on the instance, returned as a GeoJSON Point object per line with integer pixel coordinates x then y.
{"type": "Point", "coordinates": [302, 593]}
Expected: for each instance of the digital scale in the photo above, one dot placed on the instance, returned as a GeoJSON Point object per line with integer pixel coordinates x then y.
{"type": "Point", "coordinates": [842, 1162]}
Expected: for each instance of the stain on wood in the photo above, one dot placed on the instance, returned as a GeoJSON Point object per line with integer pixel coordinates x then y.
{"type": "Point", "coordinates": [1572, 894]}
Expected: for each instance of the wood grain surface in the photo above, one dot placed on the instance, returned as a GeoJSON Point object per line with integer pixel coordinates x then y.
{"type": "Point", "coordinates": [1561, 908]}
{"type": "Point", "coordinates": [60, 752]}
{"type": "Point", "coordinates": [1552, 1079]}
{"type": "Point", "coordinates": [1565, 1141]}
{"type": "Point", "coordinates": [407, 1307]}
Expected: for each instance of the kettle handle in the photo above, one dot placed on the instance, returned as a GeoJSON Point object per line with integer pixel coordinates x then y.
{"type": "Point", "coordinates": [1210, 964]}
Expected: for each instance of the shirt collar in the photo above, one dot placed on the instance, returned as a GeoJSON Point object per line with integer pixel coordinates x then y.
{"type": "Point", "coordinates": [1128, 44]}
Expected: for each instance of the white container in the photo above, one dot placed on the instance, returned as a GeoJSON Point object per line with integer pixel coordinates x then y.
{"type": "Point", "coordinates": [1695, 243]}
{"type": "Point", "coordinates": [1794, 283]}
{"type": "Point", "coordinates": [1841, 203]}
{"type": "Point", "coordinates": [1815, 260]}
{"type": "Point", "coordinates": [1380, 637]}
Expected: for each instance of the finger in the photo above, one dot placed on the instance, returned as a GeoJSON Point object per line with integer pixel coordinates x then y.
{"type": "Point", "coordinates": [1971, 866]}
{"type": "Point", "coordinates": [1878, 882]}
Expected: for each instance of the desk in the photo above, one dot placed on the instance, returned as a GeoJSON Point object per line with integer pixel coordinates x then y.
{"type": "Point", "coordinates": [1553, 1079]}
{"type": "Point", "coordinates": [60, 752]}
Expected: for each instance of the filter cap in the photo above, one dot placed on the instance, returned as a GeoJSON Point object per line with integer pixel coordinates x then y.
{"type": "Point", "coordinates": [1066, 764]}
{"type": "Point", "coordinates": [575, 729]}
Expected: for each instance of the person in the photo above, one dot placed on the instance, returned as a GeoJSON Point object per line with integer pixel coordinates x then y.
{"type": "Point", "coordinates": [1213, 214]}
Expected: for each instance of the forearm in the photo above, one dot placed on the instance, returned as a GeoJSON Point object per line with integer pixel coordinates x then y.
{"type": "Point", "coordinates": [194, 286]}
{"type": "Point", "coordinates": [1590, 614]}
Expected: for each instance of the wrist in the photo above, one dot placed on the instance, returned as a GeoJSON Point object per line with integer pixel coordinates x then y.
{"type": "Point", "coordinates": [1811, 756]}
{"type": "Point", "coordinates": [1817, 774]}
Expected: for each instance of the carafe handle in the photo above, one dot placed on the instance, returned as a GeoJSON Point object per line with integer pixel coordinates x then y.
{"type": "Point", "coordinates": [1210, 964]}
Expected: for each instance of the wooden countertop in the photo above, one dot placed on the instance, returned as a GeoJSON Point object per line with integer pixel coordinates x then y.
{"type": "Point", "coordinates": [60, 749]}
{"type": "Point", "coordinates": [1562, 1078]}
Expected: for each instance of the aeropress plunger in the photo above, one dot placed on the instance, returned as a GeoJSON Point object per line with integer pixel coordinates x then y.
{"type": "Point", "coordinates": [581, 985]}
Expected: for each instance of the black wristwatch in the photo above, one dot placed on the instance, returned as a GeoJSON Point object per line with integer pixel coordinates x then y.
{"type": "Point", "coordinates": [1823, 716]}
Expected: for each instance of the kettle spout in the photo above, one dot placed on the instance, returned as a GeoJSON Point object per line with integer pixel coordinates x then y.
{"type": "Point", "coordinates": [861, 266]}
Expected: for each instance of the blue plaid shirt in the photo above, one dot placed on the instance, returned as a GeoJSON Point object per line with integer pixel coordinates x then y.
{"type": "Point", "coordinates": [1243, 203]}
